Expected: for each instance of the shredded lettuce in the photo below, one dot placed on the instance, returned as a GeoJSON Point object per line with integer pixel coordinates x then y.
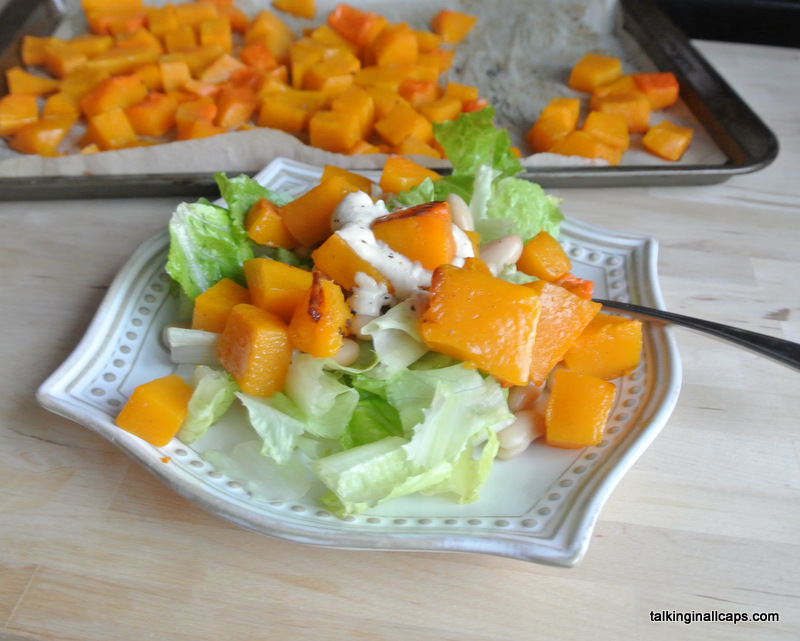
{"type": "Point", "coordinates": [214, 392]}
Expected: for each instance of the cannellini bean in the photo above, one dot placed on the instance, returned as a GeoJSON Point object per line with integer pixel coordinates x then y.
{"type": "Point", "coordinates": [358, 322]}
{"type": "Point", "coordinates": [460, 212]}
{"type": "Point", "coordinates": [503, 251]}
{"type": "Point", "coordinates": [522, 397]}
{"type": "Point", "coordinates": [348, 353]}
{"type": "Point", "coordinates": [528, 425]}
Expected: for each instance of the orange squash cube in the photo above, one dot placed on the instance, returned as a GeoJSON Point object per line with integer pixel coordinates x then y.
{"type": "Point", "coordinates": [80, 82]}
{"type": "Point", "coordinates": [255, 350]}
{"type": "Point", "coordinates": [563, 317]}
{"type": "Point", "coordinates": [21, 81]}
{"type": "Point", "coordinates": [441, 110]}
{"type": "Point", "coordinates": [110, 130]}
{"type": "Point", "coordinates": [411, 146]}
{"type": "Point", "coordinates": [558, 118]}
{"type": "Point", "coordinates": [265, 226]}
{"type": "Point", "coordinates": [299, 8]}
{"type": "Point", "coordinates": [156, 409]}
{"type": "Point", "coordinates": [544, 257]}
{"type": "Point", "coordinates": [121, 60]}
{"type": "Point", "coordinates": [357, 180]}
{"type": "Point", "coordinates": [139, 38]}
{"type": "Point", "coordinates": [308, 217]}
{"type": "Point", "coordinates": [400, 174]}
{"type": "Point", "coordinates": [183, 38]}
{"type": "Point", "coordinates": [217, 31]}
{"type": "Point", "coordinates": [154, 116]}
{"type": "Point", "coordinates": [335, 131]}
{"type": "Point", "coordinates": [272, 31]}
{"type": "Point", "coordinates": [162, 20]}
{"type": "Point", "coordinates": [403, 121]}
{"type": "Point", "coordinates": [276, 287]}
{"type": "Point", "coordinates": [452, 26]}
{"type": "Point", "coordinates": [43, 136]}
{"type": "Point", "coordinates": [357, 26]}
{"type": "Point", "coordinates": [632, 105]}
{"type": "Point", "coordinates": [195, 13]}
{"type": "Point", "coordinates": [213, 306]}
{"type": "Point", "coordinates": [321, 320]}
{"type": "Point", "coordinates": [290, 110]}
{"type": "Point", "coordinates": [60, 104]}
{"type": "Point", "coordinates": [661, 88]}
{"type": "Point", "coordinates": [358, 102]}
{"type": "Point", "coordinates": [235, 106]}
{"type": "Point", "coordinates": [16, 111]}
{"type": "Point", "coordinates": [483, 320]}
{"type": "Point", "coordinates": [667, 140]}
{"type": "Point", "coordinates": [117, 92]}
{"type": "Point", "coordinates": [577, 410]}
{"type": "Point", "coordinates": [610, 346]}
{"type": "Point", "coordinates": [396, 44]}
{"type": "Point", "coordinates": [32, 49]}
{"type": "Point", "coordinates": [609, 128]}
{"type": "Point", "coordinates": [339, 262]}
{"type": "Point", "coordinates": [580, 143]}
{"type": "Point", "coordinates": [423, 233]}
{"type": "Point", "coordinates": [257, 55]}
{"type": "Point", "coordinates": [593, 70]}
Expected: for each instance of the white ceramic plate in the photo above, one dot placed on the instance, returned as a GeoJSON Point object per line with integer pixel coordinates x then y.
{"type": "Point", "coordinates": [541, 506]}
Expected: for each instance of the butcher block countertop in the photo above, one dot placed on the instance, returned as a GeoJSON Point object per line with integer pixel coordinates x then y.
{"type": "Point", "coordinates": [95, 548]}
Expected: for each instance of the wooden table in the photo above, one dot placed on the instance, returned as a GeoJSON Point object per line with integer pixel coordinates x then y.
{"type": "Point", "coordinates": [92, 547]}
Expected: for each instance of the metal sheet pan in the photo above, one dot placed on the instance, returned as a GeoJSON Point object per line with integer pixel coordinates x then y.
{"type": "Point", "coordinates": [740, 134]}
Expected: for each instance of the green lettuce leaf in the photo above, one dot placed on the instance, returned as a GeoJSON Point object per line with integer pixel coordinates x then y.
{"type": "Point", "coordinates": [214, 392]}
{"type": "Point", "coordinates": [275, 426]}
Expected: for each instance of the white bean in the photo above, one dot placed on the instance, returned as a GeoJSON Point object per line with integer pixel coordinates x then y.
{"type": "Point", "coordinates": [348, 353]}
{"type": "Point", "coordinates": [522, 397]}
{"type": "Point", "coordinates": [528, 425]}
{"type": "Point", "coordinates": [460, 212]}
{"type": "Point", "coordinates": [503, 251]}
{"type": "Point", "coordinates": [358, 322]}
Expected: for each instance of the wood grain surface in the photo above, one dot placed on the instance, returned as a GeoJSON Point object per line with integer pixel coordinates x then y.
{"type": "Point", "coordinates": [93, 548]}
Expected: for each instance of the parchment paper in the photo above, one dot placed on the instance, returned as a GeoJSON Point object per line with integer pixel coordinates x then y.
{"type": "Point", "coordinates": [519, 55]}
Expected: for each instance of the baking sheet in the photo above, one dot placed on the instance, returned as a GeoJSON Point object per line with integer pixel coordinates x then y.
{"type": "Point", "coordinates": [519, 55]}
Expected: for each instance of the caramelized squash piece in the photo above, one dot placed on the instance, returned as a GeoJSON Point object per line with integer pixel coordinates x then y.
{"type": "Point", "coordinates": [544, 257]}
{"type": "Point", "coordinates": [213, 306]}
{"type": "Point", "coordinates": [577, 410]}
{"type": "Point", "coordinates": [610, 346]}
{"type": "Point", "coordinates": [558, 118]}
{"type": "Point", "coordinates": [265, 226]}
{"type": "Point", "coordinates": [156, 409]}
{"type": "Point", "coordinates": [275, 286]}
{"type": "Point", "coordinates": [337, 260]}
{"type": "Point", "coordinates": [43, 136]}
{"type": "Point", "coordinates": [255, 350]}
{"type": "Point", "coordinates": [321, 320]}
{"type": "Point", "coordinates": [660, 87]}
{"type": "Point", "coordinates": [423, 233]}
{"type": "Point", "coordinates": [400, 173]}
{"type": "Point", "coordinates": [483, 320]}
{"type": "Point", "coordinates": [563, 317]}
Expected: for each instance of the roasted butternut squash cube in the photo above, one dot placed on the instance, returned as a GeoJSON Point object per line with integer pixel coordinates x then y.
{"type": "Point", "coordinates": [580, 143]}
{"type": "Point", "coordinates": [60, 104]}
{"type": "Point", "coordinates": [43, 136]}
{"type": "Point", "coordinates": [21, 81]}
{"type": "Point", "coordinates": [610, 346]}
{"type": "Point", "coordinates": [355, 25]}
{"type": "Point", "coordinates": [16, 111]}
{"type": "Point", "coordinates": [577, 410]}
{"type": "Point", "coordinates": [110, 130]}
{"type": "Point", "coordinates": [396, 44]}
{"type": "Point", "coordinates": [339, 262]}
{"type": "Point", "coordinates": [121, 60]}
{"type": "Point", "coordinates": [563, 317]}
{"type": "Point", "coordinates": [558, 118]}
{"type": "Point", "coordinates": [308, 217]}
{"type": "Point", "coordinates": [216, 31]}
{"type": "Point", "coordinates": [117, 92]}
{"type": "Point", "coordinates": [593, 70]}
{"type": "Point", "coordinates": [403, 121]}
{"type": "Point", "coordinates": [162, 20]}
{"type": "Point", "coordinates": [272, 31]}
{"type": "Point", "coordinates": [609, 128]}
{"type": "Point", "coordinates": [335, 131]}
{"type": "Point", "coordinates": [235, 106]}
{"type": "Point", "coordinates": [299, 8]}
{"type": "Point", "coordinates": [321, 320]}
{"type": "Point", "coordinates": [668, 140]}
{"type": "Point", "coordinates": [195, 13]}
{"type": "Point", "coordinates": [452, 26]}
{"type": "Point", "coordinates": [423, 233]}
{"type": "Point", "coordinates": [213, 306]}
{"type": "Point", "coordinates": [632, 105]}
{"type": "Point", "coordinates": [265, 226]}
{"type": "Point", "coordinates": [442, 109]}
{"type": "Point", "coordinates": [183, 38]}
{"type": "Point", "coordinates": [419, 92]}
{"type": "Point", "coordinates": [384, 98]}
{"type": "Point", "coordinates": [544, 257]}
{"type": "Point", "coordinates": [661, 88]}
{"type": "Point", "coordinates": [60, 59]}
{"type": "Point", "coordinates": [400, 174]}
{"type": "Point", "coordinates": [154, 116]}
{"type": "Point", "coordinates": [156, 409]}
{"type": "Point", "coordinates": [275, 286]}
{"type": "Point", "coordinates": [80, 82]}
{"type": "Point", "coordinates": [221, 69]}
{"type": "Point", "coordinates": [412, 146]}
{"type": "Point", "coordinates": [290, 110]}
{"type": "Point", "coordinates": [255, 350]}
{"type": "Point", "coordinates": [357, 101]}
{"type": "Point", "coordinates": [483, 320]}
{"type": "Point", "coordinates": [33, 48]}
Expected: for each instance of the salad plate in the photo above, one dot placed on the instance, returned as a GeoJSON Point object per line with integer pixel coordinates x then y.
{"type": "Point", "coordinates": [541, 506]}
